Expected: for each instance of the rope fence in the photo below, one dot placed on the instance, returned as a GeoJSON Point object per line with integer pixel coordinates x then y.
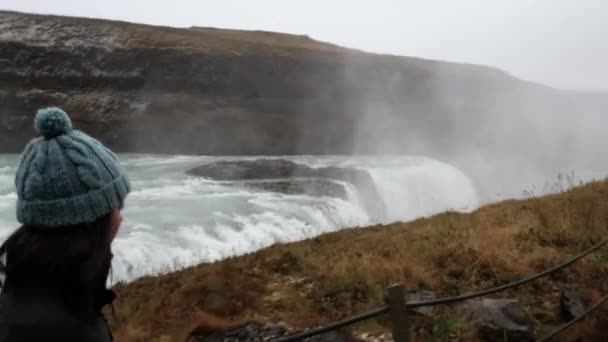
{"type": "Point", "coordinates": [565, 327]}
{"type": "Point", "coordinates": [398, 307]}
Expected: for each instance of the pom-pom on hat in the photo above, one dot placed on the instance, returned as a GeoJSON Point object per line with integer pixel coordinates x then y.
{"type": "Point", "coordinates": [51, 122]}
{"type": "Point", "coordinates": [66, 177]}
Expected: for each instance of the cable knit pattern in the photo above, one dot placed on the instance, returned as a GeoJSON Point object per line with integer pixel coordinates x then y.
{"type": "Point", "coordinates": [66, 177]}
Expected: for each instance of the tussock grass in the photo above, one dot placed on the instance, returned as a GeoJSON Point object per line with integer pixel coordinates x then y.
{"type": "Point", "coordinates": [329, 277]}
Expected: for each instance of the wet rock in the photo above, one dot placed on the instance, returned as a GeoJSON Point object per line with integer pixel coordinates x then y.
{"type": "Point", "coordinates": [502, 320]}
{"type": "Point", "coordinates": [570, 303]}
{"type": "Point", "coordinates": [318, 180]}
{"type": "Point", "coordinates": [310, 187]}
{"type": "Point", "coordinates": [252, 169]}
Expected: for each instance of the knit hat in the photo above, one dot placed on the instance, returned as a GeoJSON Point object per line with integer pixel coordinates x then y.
{"type": "Point", "coordinates": [66, 177]}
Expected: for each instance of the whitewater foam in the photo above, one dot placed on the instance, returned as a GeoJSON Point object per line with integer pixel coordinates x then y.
{"type": "Point", "coordinates": [423, 189]}
{"type": "Point", "coordinates": [172, 220]}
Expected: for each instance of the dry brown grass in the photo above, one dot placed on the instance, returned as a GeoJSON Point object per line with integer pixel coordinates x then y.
{"type": "Point", "coordinates": [338, 274]}
{"type": "Point", "coordinates": [97, 32]}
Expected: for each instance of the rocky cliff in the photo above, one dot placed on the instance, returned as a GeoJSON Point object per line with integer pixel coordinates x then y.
{"type": "Point", "coordinates": [207, 91]}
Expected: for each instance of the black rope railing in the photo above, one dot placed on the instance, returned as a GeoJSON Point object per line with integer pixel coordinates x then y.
{"type": "Point", "coordinates": [441, 301]}
{"type": "Point", "coordinates": [334, 326]}
{"type": "Point", "coordinates": [517, 283]}
{"type": "Point", "coordinates": [565, 327]}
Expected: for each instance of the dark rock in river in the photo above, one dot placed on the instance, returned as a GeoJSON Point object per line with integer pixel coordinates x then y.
{"type": "Point", "coordinates": [253, 169]}
{"type": "Point", "coordinates": [284, 172]}
{"type": "Point", "coordinates": [311, 187]}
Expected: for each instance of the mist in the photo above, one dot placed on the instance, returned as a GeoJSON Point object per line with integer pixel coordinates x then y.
{"type": "Point", "coordinates": [510, 136]}
{"type": "Point", "coordinates": [512, 114]}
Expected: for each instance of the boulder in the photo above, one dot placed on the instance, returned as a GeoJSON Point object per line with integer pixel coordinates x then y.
{"type": "Point", "coordinates": [286, 171]}
{"type": "Point", "coordinates": [311, 187]}
{"type": "Point", "coordinates": [252, 169]}
{"type": "Point", "coordinates": [502, 320]}
{"type": "Point", "coordinates": [570, 303]}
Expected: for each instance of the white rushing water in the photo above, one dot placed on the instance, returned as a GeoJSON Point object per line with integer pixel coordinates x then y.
{"type": "Point", "coordinates": [172, 220]}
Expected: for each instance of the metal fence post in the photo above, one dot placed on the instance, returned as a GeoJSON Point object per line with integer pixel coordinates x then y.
{"type": "Point", "coordinates": [398, 313]}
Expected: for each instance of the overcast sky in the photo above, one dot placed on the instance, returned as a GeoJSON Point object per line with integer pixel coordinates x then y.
{"type": "Point", "coordinates": [562, 43]}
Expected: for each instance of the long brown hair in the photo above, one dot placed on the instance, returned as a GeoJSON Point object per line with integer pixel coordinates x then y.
{"type": "Point", "coordinates": [71, 263]}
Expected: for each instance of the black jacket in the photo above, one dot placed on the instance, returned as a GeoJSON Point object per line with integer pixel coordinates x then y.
{"type": "Point", "coordinates": [32, 317]}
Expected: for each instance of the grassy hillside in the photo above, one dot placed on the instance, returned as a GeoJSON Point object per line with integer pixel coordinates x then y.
{"type": "Point", "coordinates": [122, 34]}
{"type": "Point", "coordinates": [335, 275]}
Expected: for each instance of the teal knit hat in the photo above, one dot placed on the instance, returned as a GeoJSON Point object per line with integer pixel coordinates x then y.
{"type": "Point", "coordinates": [65, 177]}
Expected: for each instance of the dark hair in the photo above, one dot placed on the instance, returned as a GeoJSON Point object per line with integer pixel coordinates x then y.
{"type": "Point", "coordinates": [71, 263]}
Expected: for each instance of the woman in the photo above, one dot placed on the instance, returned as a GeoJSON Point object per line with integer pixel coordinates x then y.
{"type": "Point", "coordinates": [70, 190]}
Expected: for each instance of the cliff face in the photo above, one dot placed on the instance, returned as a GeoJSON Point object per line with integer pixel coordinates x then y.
{"type": "Point", "coordinates": [207, 91]}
